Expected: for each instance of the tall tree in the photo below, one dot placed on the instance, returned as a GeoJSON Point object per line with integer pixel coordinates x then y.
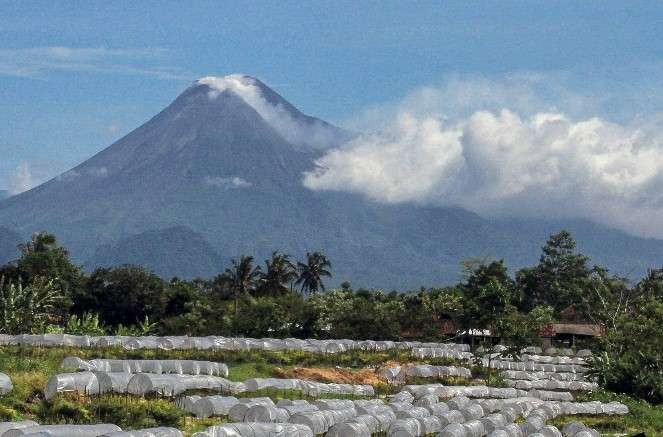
{"type": "Point", "coordinates": [560, 279]}
{"type": "Point", "coordinates": [241, 278]}
{"type": "Point", "coordinates": [279, 271]}
{"type": "Point", "coordinates": [311, 273]}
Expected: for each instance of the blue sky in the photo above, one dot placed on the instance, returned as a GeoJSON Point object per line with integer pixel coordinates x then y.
{"type": "Point", "coordinates": [75, 76]}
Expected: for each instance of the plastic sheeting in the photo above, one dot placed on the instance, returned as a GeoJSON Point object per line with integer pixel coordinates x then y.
{"type": "Point", "coordinates": [551, 384]}
{"type": "Point", "coordinates": [148, 432]}
{"type": "Point", "coordinates": [574, 429]}
{"type": "Point", "coordinates": [406, 428]}
{"type": "Point", "coordinates": [257, 430]}
{"type": "Point", "coordinates": [453, 430]}
{"type": "Point", "coordinates": [187, 403]}
{"type": "Point", "coordinates": [398, 374]}
{"type": "Point", "coordinates": [238, 410]}
{"type": "Point", "coordinates": [320, 421]}
{"type": "Point", "coordinates": [172, 385]}
{"type": "Point", "coordinates": [113, 382]}
{"type": "Point", "coordinates": [6, 385]}
{"type": "Point", "coordinates": [6, 426]}
{"type": "Point", "coordinates": [64, 430]}
{"type": "Point", "coordinates": [210, 406]}
{"type": "Point", "coordinates": [349, 429]}
{"type": "Point", "coordinates": [182, 367]}
{"type": "Point", "coordinates": [228, 343]}
{"type": "Point", "coordinates": [534, 376]}
{"type": "Point", "coordinates": [310, 388]}
{"type": "Point", "coordinates": [81, 382]}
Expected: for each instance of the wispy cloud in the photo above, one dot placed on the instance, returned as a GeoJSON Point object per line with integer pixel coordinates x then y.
{"type": "Point", "coordinates": [37, 62]}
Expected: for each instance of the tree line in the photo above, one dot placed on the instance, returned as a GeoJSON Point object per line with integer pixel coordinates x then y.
{"type": "Point", "coordinates": [44, 291]}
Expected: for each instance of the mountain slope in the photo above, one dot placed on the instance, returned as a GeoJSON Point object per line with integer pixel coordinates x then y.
{"type": "Point", "coordinates": [176, 251]}
{"type": "Point", "coordinates": [217, 174]}
{"type": "Point", "coordinates": [9, 240]}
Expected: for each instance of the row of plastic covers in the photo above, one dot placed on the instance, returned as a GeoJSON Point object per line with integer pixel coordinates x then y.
{"type": "Point", "coordinates": [532, 366]}
{"type": "Point", "coordinates": [551, 384]}
{"type": "Point", "coordinates": [182, 367]}
{"type": "Point", "coordinates": [398, 374]}
{"type": "Point", "coordinates": [535, 350]}
{"type": "Point", "coordinates": [97, 382]}
{"type": "Point", "coordinates": [33, 429]}
{"type": "Point", "coordinates": [482, 391]}
{"type": "Point", "coordinates": [543, 359]}
{"type": "Point", "coordinates": [536, 376]}
{"type": "Point", "coordinates": [220, 343]}
{"type": "Point", "coordinates": [6, 385]}
{"type": "Point", "coordinates": [256, 430]}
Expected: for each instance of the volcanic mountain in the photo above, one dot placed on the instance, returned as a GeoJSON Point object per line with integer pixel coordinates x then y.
{"type": "Point", "coordinates": [218, 174]}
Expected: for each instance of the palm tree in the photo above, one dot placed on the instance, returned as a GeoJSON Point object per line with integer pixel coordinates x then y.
{"type": "Point", "coordinates": [241, 278]}
{"type": "Point", "coordinates": [279, 271]}
{"type": "Point", "coordinates": [311, 273]}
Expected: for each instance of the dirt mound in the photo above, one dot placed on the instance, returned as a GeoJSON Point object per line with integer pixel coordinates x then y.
{"type": "Point", "coordinates": [333, 374]}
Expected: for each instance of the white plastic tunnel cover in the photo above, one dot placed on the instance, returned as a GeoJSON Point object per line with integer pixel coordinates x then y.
{"type": "Point", "coordinates": [6, 385]}
{"type": "Point", "coordinates": [6, 426]}
{"type": "Point", "coordinates": [64, 430]}
{"type": "Point", "coordinates": [257, 430]}
{"type": "Point", "coordinates": [148, 432]}
{"type": "Point", "coordinates": [210, 406]}
{"type": "Point", "coordinates": [81, 382]}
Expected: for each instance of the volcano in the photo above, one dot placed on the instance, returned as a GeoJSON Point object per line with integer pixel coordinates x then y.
{"type": "Point", "coordinates": [218, 173]}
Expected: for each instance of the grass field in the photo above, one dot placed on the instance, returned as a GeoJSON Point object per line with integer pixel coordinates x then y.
{"type": "Point", "coordinates": [30, 369]}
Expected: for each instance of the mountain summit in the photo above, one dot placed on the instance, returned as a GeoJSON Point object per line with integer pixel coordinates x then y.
{"type": "Point", "coordinates": [218, 173]}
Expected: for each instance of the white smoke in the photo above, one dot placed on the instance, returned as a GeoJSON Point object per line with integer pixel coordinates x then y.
{"type": "Point", "coordinates": [227, 182]}
{"type": "Point", "coordinates": [21, 179]}
{"type": "Point", "coordinates": [501, 163]}
{"type": "Point", "coordinates": [295, 131]}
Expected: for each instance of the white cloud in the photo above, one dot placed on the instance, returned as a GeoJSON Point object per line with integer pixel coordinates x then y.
{"type": "Point", "coordinates": [21, 179]}
{"type": "Point", "coordinates": [227, 182]}
{"type": "Point", "coordinates": [500, 163]}
{"type": "Point", "coordinates": [35, 62]}
{"type": "Point", "coordinates": [280, 118]}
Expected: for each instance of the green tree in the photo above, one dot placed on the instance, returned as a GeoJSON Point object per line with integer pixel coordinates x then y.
{"type": "Point", "coordinates": [124, 295]}
{"type": "Point", "coordinates": [631, 360]}
{"type": "Point", "coordinates": [241, 278]}
{"type": "Point", "coordinates": [487, 293]}
{"type": "Point", "coordinates": [311, 273]}
{"type": "Point", "coordinates": [42, 256]}
{"type": "Point", "coordinates": [560, 279]}
{"type": "Point", "coordinates": [279, 272]}
{"type": "Point", "coordinates": [28, 309]}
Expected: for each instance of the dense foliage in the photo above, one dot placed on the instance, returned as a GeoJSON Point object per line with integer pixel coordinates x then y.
{"type": "Point", "coordinates": [44, 291]}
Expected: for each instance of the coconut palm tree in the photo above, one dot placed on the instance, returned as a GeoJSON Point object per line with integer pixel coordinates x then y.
{"type": "Point", "coordinates": [310, 274]}
{"type": "Point", "coordinates": [279, 271]}
{"type": "Point", "coordinates": [241, 278]}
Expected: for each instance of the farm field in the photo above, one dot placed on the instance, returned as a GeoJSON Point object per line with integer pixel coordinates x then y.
{"type": "Point", "coordinates": [31, 367]}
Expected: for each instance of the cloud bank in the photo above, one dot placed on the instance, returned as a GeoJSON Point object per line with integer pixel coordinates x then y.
{"type": "Point", "coordinates": [295, 130]}
{"type": "Point", "coordinates": [505, 162]}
